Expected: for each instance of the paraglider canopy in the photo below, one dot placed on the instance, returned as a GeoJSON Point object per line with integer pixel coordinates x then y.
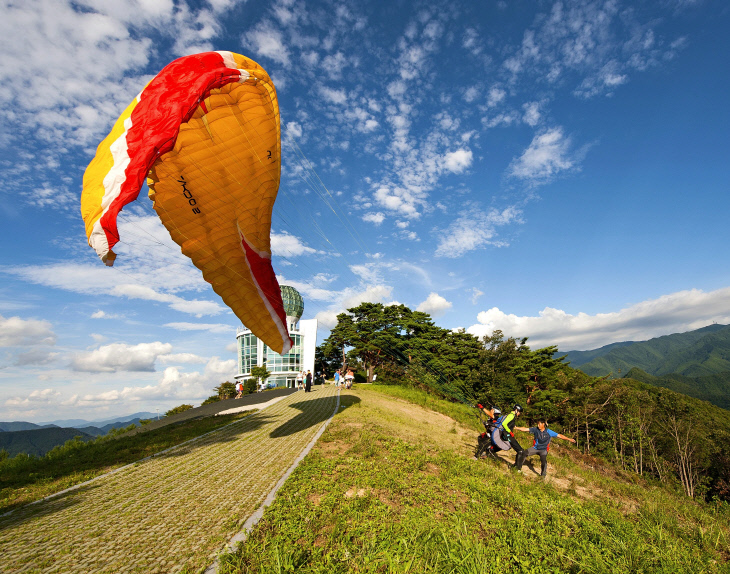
{"type": "Point", "coordinates": [205, 134]}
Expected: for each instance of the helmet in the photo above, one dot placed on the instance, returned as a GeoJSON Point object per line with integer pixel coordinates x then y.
{"type": "Point", "coordinates": [496, 411]}
{"type": "Point", "coordinates": [518, 408]}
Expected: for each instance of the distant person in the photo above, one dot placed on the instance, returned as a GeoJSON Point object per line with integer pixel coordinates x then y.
{"type": "Point", "coordinates": [508, 434]}
{"type": "Point", "coordinates": [349, 378]}
{"type": "Point", "coordinates": [308, 384]}
{"type": "Point", "coordinates": [540, 446]}
{"type": "Point", "coordinates": [337, 378]}
{"type": "Point", "coordinates": [300, 380]}
{"type": "Point", "coordinates": [239, 389]}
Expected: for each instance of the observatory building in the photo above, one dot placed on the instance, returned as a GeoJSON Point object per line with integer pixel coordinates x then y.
{"type": "Point", "coordinates": [284, 368]}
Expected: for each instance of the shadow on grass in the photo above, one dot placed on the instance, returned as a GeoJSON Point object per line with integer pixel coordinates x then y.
{"type": "Point", "coordinates": [42, 508]}
{"type": "Point", "coordinates": [314, 412]}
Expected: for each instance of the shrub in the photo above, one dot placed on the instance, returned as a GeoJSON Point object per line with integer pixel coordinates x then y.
{"type": "Point", "coordinates": [178, 409]}
{"type": "Point", "coordinates": [249, 386]}
{"type": "Point", "coordinates": [225, 390]}
{"type": "Point", "coordinates": [211, 399]}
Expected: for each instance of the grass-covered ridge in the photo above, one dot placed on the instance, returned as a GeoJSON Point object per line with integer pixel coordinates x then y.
{"type": "Point", "coordinates": [392, 487]}
{"type": "Point", "coordinates": [26, 478]}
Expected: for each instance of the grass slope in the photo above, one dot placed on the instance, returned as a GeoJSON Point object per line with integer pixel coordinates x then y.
{"type": "Point", "coordinates": [392, 487]}
{"type": "Point", "coordinates": [25, 478]}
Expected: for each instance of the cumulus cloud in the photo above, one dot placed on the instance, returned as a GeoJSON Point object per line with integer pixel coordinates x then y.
{"type": "Point", "coordinates": [35, 356]}
{"type": "Point", "coordinates": [267, 41]}
{"type": "Point", "coordinates": [457, 161]}
{"type": "Point", "coordinates": [17, 332]}
{"type": "Point", "coordinates": [286, 245]}
{"type": "Point", "coordinates": [677, 312]}
{"type": "Point", "coordinates": [211, 327]}
{"type": "Point", "coordinates": [34, 399]}
{"type": "Point", "coordinates": [173, 384]}
{"type": "Point", "coordinates": [547, 155]}
{"type": "Point", "coordinates": [352, 298]}
{"type": "Point", "coordinates": [475, 229]}
{"type": "Point", "coordinates": [104, 315]}
{"type": "Point", "coordinates": [434, 305]}
{"type": "Point", "coordinates": [121, 357]}
{"type": "Point", "coordinates": [376, 218]}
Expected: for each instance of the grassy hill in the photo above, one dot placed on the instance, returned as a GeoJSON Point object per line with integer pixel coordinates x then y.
{"type": "Point", "coordinates": [696, 363]}
{"type": "Point", "coordinates": [392, 487]}
{"type": "Point", "coordinates": [38, 442]}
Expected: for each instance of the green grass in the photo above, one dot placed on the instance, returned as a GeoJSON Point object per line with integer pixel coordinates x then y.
{"type": "Point", "coordinates": [374, 496]}
{"type": "Point", "coordinates": [464, 415]}
{"type": "Point", "coordinates": [24, 478]}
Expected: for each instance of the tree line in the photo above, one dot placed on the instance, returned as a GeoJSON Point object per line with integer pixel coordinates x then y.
{"type": "Point", "coordinates": [647, 430]}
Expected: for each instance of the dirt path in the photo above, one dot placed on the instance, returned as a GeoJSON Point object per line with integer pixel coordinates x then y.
{"type": "Point", "coordinates": [171, 513]}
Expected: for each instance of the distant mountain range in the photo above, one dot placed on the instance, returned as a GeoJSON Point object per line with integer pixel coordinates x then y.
{"type": "Point", "coordinates": [75, 423]}
{"type": "Point", "coordinates": [38, 442]}
{"type": "Point", "coordinates": [30, 438]}
{"type": "Point", "coordinates": [696, 363]}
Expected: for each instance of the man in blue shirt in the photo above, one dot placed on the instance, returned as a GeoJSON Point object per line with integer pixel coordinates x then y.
{"type": "Point", "coordinates": [541, 445]}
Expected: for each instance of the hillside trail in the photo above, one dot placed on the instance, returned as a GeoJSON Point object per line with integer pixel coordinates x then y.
{"type": "Point", "coordinates": [171, 513]}
{"type": "Point", "coordinates": [422, 425]}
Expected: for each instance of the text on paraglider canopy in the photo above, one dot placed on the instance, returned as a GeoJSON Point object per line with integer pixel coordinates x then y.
{"type": "Point", "coordinates": [188, 194]}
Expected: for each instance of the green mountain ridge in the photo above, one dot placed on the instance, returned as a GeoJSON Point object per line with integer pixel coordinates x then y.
{"type": "Point", "coordinates": [38, 442]}
{"type": "Point", "coordinates": [696, 363]}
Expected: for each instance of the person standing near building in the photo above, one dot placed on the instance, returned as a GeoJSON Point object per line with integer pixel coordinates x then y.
{"type": "Point", "coordinates": [541, 445]}
{"type": "Point", "coordinates": [300, 379]}
{"type": "Point", "coordinates": [308, 385]}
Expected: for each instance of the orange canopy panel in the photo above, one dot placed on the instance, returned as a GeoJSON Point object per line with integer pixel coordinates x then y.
{"type": "Point", "coordinates": [205, 133]}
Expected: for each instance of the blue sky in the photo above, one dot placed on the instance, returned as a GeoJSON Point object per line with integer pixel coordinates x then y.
{"type": "Point", "coordinates": [557, 170]}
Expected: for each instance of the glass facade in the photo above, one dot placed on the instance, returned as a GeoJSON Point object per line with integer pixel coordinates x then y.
{"type": "Point", "coordinates": [247, 352]}
{"type": "Point", "coordinates": [283, 368]}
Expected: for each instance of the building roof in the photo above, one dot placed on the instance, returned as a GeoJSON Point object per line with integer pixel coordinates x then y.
{"type": "Point", "coordinates": [293, 302]}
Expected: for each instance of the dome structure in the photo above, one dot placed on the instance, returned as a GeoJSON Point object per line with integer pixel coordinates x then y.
{"type": "Point", "coordinates": [293, 302]}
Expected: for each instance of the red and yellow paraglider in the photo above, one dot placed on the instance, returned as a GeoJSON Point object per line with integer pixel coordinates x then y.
{"type": "Point", "coordinates": [205, 135]}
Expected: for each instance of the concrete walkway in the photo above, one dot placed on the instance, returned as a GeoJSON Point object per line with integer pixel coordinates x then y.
{"type": "Point", "coordinates": [171, 513]}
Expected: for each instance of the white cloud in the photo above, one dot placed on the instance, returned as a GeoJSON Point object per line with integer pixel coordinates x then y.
{"type": "Point", "coordinates": [34, 399]}
{"type": "Point", "coordinates": [376, 218]}
{"type": "Point", "coordinates": [121, 357]}
{"type": "Point", "coordinates": [332, 95]}
{"type": "Point", "coordinates": [17, 332]}
{"type": "Point", "coordinates": [352, 298]}
{"type": "Point", "coordinates": [265, 40]}
{"type": "Point", "coordinates": [546, 156]}
{"type": "Point", "coordinates": [173, 384]}
{"type": "Point", "coordinates": [210, 327]}
{"type": "Point", "coordinates": [532, 113]}
{"type": "Point", "coordinates": [434, 305]}
{"type": "Point", "coordinates": [176, 358]}
{"type": "Point", "coordinates": [474, 229]}
{"type": "Point", "coordinates": [104, 315]}
{"type": "Point", "coordinates": [457, 161]}
{"type": "Point", "coordinates": [475, 295]}
{"type": "Point", "coordinates": [35, 356]}
{"type": "Point", "coordinates": [677, 312]}
{"type": "Point", "coordinates": [286, 245]}
{"type": "Point", "coordinates": [495, 97]}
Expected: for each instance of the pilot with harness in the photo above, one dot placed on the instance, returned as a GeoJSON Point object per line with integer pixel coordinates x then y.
{"type": "Point", "coordinates": [507, 428]}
